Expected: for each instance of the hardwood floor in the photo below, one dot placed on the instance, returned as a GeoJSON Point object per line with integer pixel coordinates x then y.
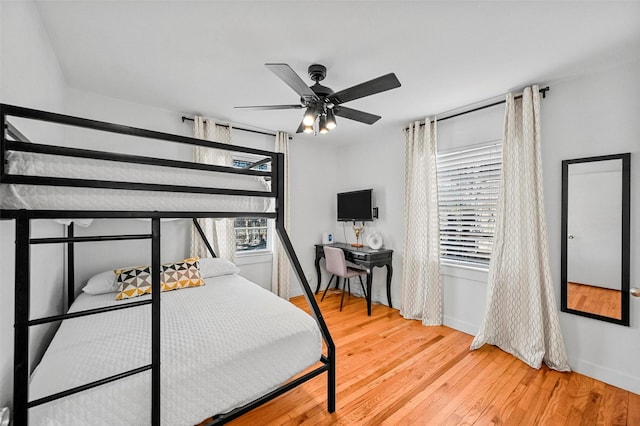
{"type": "Point", "coordinates": [392, 371]}
{"type": "Point", "coordinates": [596, 300]}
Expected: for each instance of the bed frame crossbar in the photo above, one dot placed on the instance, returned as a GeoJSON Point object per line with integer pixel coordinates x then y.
{"type": "Point", "coordinates": [89, 239]}
{"type": "Point", "coordinates": [23, 218]}
{"type": "Point", "coordinates": [88, 386]}
{"type": "Point", "coordinates": [133, 159]}
{"type": "Point", "coordinates": [234, 414]}
{"type": "Point", "coordinates": [55, 318]}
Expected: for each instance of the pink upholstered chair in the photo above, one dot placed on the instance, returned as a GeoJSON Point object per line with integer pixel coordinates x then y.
{"type": "Point", "coordinates": [337, 266]}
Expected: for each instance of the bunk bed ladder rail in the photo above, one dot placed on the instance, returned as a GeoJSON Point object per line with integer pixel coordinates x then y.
{"type": "Point", "coordinates": [21, 403]}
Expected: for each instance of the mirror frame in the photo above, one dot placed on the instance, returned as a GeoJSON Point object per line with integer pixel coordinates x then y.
{"type": "Point", "coordinates": [626, 236]}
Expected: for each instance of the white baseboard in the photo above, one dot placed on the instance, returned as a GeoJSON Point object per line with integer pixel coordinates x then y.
{"type": "Point", "coordinates": [456, 324]}
{"type": "Point", "coordinates": [618, 378]}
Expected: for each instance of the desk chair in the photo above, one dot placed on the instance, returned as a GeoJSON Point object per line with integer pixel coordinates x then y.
{"type": "Point", "coordinates": [337, 266]}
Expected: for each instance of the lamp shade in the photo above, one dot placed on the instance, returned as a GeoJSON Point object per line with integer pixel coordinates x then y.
{"type": "Point", "coordinates": [331, 119]}
{"type": "Point", "coordinates": [309, 116]}
{"type": "Point", "coordinates": [322, 124]}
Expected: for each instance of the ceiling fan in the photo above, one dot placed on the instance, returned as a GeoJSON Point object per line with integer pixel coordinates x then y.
{"type": "Point", "coordinates": [321, 103]}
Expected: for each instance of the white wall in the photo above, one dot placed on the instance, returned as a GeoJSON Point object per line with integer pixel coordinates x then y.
{"type": "Point", "coordinates": [378, 164]}
{"type": "Point", "coordinates": [29, 76]}
{"type": "Point", "coordinates": [593, 115]}
{"type": "Point", "coordinates": [313, 175]}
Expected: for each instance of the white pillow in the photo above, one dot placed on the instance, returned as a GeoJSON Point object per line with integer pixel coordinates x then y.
{"type": "Point", "coordinates": [104, 282]}
{"type": "Point", "coordinates": [214, 267]}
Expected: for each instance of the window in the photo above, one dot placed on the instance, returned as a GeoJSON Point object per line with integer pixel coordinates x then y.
{"type": "Point", "coordinates": [468, 185]}
{"type": "Point", "coordinates": [252, 233]}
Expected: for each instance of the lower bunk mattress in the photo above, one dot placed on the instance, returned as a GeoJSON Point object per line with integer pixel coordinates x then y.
{"type": "Point", "coordinates": [222, 345]}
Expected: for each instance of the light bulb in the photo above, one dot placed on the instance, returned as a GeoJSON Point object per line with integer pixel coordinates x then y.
{"type": "Point", "coordinates": [308, 128]}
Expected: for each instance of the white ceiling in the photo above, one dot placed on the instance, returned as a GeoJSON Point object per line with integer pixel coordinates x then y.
{"type": "Point", "coordinates": [206, 57]}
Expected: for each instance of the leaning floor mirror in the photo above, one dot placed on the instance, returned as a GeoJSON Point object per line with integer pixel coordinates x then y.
{"type": "Point", "coordinates": [595, 237]}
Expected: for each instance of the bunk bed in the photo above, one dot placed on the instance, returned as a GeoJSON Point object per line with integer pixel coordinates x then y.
{"type": "Point", "coordinates": [227, 346]}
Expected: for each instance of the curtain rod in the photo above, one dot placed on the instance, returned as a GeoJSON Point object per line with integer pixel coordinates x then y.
{"type": "Point", "coordinates": [184, 118]}
{"type": "Point", "coordinates": [544, 91]}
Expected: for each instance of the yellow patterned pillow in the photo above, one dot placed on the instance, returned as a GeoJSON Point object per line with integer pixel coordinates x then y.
{"type": "Point", "coordinates": [133, 282]}
{"type": "Point", "coordinates": [182, 274]}
{"type": "Point", "coordinates": [136, 281]}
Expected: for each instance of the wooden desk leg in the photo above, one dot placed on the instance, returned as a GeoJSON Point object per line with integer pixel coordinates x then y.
{"type": "Point", "coordinates": [319, 276]}
{"type": "Point", "coordinates": [369, 282]}
{"type": "Point", "coordinates": [389, 275]}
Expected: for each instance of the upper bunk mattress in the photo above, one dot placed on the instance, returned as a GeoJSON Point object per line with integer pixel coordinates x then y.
{"type": "Point", "coordinates": [222, 345]}
{"type": "Point", "coordinates": [44, 197]}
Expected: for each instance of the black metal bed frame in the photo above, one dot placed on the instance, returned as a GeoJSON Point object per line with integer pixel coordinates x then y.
{"type": "Point", "coordinates": [22, 218]}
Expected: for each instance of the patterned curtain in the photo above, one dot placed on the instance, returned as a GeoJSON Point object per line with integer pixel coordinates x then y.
{"type": "Point", "coordinates": [421, 286]}
{"type": "Point", "coordinates": [281, 270]}
{"type": "Point", "coordinates": [220, 232]}
{"type": "Point", "coordinates": [521, 315]}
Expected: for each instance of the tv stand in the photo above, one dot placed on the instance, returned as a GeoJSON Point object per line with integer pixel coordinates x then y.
{"type": "Point", "coordinates": [366, 257]}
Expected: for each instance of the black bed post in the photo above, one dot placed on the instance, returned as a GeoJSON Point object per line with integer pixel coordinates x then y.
{"type": "Point", "coordinates": [71, 288]}
{"type": "Point", "coordinates": [155, 321]}
{"type": "Point", "coordinates": [203, 236]}
{"type": "Point", "coordinates": [308, 293]}
{"type": "Point", "coordinates": [21, 332]}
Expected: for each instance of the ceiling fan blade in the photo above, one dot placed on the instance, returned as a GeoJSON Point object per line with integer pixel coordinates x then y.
{"type": "Point", "coordinates": [354, 114]}
{"type": "Point", "coordinates": [268, 107]}
{"type": "Point", "coordinates": [371, 87]}
{"type": "Point", "coordinates": [293, 80]}
{"type": "Point", "coordinates": [300, 128]}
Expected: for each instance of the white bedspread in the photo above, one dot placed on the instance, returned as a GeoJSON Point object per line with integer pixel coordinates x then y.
{"type": "Point", "coordinates": [34, 197]}
{"type": "Point", "coordinates": [223, 345]}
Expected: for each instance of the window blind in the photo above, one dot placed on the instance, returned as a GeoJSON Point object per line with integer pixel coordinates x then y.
{"type": "Point", "coordinates": [468, 186]}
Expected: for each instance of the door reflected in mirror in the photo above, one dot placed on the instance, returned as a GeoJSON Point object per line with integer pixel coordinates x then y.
{"type": "Point", "coordinates": [595, 244]}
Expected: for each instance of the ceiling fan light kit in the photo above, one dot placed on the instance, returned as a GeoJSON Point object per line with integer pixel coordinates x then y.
{"type": "Point", "coordinates": [321, 104]}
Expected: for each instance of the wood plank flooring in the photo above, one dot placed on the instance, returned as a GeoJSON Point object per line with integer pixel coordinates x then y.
{"type": "Point", "coordinates": [596, 300]}
{"type": "Point", "coordinates": [392, 371]}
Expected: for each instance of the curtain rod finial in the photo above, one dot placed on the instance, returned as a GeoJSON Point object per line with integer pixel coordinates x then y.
{"type": "Point", "coordinates": [544, 91]}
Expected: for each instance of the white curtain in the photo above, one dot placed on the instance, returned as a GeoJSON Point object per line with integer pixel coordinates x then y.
{"type": "Point", "coordinates": [521, 315]}
{"type": "Point", "coordinates": [421, 287]}
{"type": "Point", "coordinates": [281, 270]}
{"type": "Point", "coordinates": [220, 232]}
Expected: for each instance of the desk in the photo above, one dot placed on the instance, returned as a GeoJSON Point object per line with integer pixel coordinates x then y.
{"type": "Point", "coordinates": [363, 256]}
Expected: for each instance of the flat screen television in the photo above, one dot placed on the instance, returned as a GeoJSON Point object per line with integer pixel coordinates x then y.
{"type": "Point", "coordinates": [355, 205]}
